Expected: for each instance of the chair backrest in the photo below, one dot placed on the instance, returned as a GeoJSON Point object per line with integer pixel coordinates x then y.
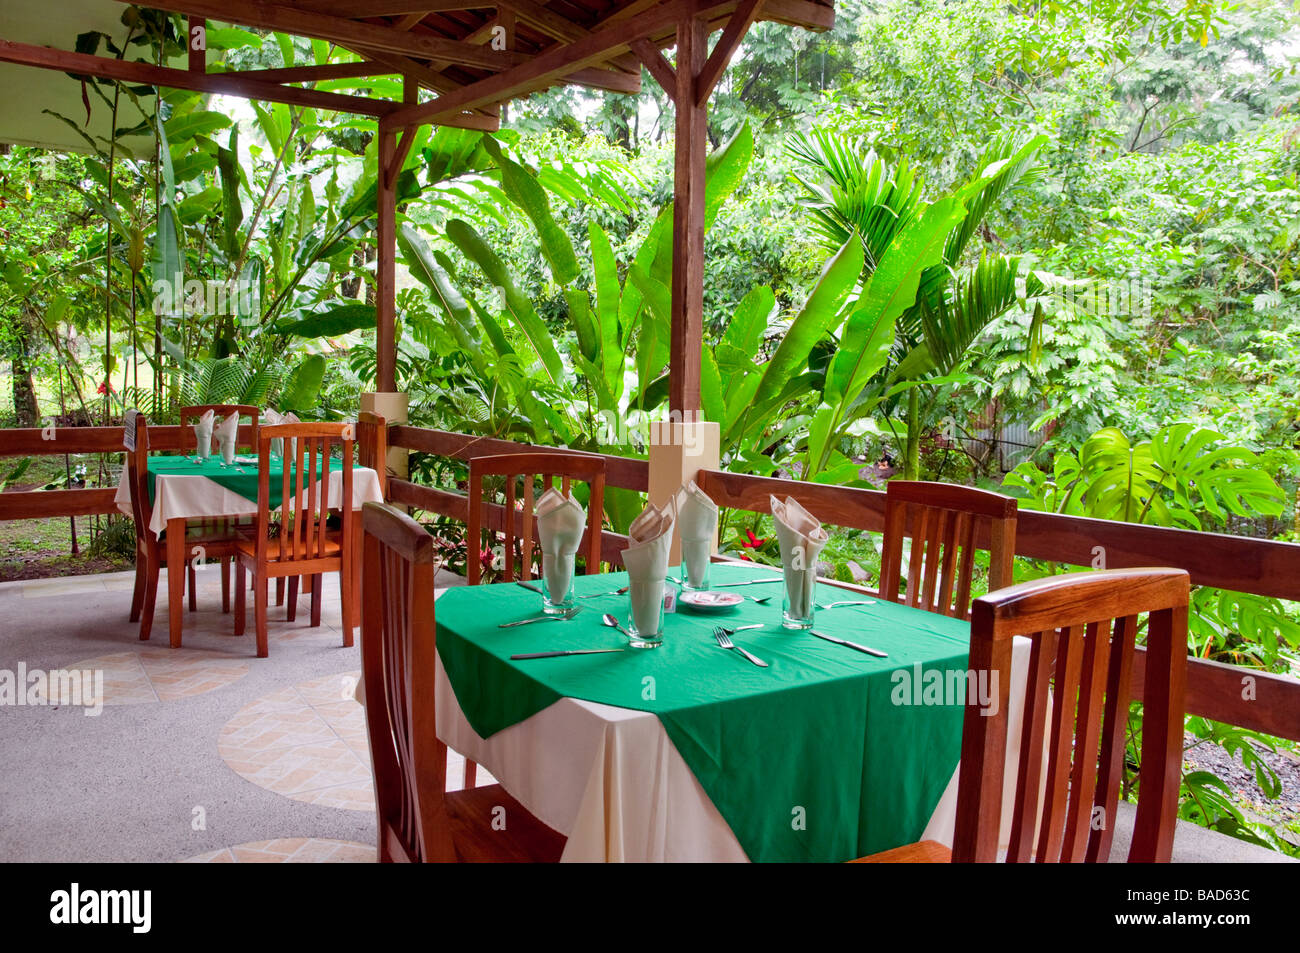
{"type": "Point", "coordinates": [398, 662]}
{"type": "Point", "coordinates": [372, 446]}
{"type": "Point", "coordinates": [304, 491]}
{"type": "Point", "coordinates": [190, 415]}
{"type": "Point", "coordinates": [944, 522]}
{"type": "Point", "coordinates": [1082, 628]}
{"type": "Point", "coordinates": [137, 474]}
{"type": "Point", "coordinates": [521, 524]}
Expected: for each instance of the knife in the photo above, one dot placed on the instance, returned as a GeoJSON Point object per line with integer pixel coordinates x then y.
{"type": "Point", "coordinates": [528, 585]}
{"type": "Point", "coordinates": [853, 645]}
{"type": "Point", "coordinates": [527, 655]}
{"type": "Point", "coordinates": [748, 582]}
{"type": "Point", "coordinates": [568, 614]}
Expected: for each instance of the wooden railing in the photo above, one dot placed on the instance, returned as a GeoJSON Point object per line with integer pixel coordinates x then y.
{"type": "Point", "coordinates": [56, 441]}
{"type": "Point", "coordinates": [1235, 695]}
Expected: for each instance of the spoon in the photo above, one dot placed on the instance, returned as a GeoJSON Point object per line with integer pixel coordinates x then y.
{"type": "Point", "coordinates": [762, 601]}
{"type": "Point", "coordinates": [613, 622]}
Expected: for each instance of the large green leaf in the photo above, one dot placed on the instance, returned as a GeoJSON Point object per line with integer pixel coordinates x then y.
{"type": "Point", "coordinates": [608, 303]}
{"type": "Point", "coordinates": [522, 188]}
{"type": "Point", "coordinates": [816, 319]}
{"type": "Point", "coordinates": [331, 319]}
{"type": "Point", "coordinates": [889, 291]}
{"type": "Point", "coordinates": [520, 308]}
{"type": "Point", "coordinates": [302, 388]}
{"type": "Point", "coordinates": [189, 125]}
{"type": "Point", "coordinates": [167, 263]}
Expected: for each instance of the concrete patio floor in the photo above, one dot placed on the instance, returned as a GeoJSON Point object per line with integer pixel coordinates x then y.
{"type": "Point", "coordinates": [206, 753]}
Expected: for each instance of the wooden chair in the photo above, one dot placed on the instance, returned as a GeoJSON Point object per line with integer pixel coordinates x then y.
{"type": "Point", "coordinates": [1082, 627]}
{"type": "Point", "coordinates": [568, 467]}
{"type": "Point", "coordinates": [418, 820]}
{"type": "Point", "coordinates": [305, 545]}
{"type": "Point", "coordinates": [372, 446]}
{"type": "Point", "coordinates": [945, 523]}
{"type": "Point", "coordinates": [191, 415]}
{"type": "Point", "coordinates": [513, 466]}
{"type": "Point", "coordinates": [202, 540]}
{"type": "Point", "coordinates": [227, 527]}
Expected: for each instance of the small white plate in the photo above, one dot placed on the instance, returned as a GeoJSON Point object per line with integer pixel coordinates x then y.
{"type": "Point", "coordinates": [711, 600]}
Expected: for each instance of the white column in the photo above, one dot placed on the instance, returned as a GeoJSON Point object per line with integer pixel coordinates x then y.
{"type": "Point", "coordinates": [680, 449]}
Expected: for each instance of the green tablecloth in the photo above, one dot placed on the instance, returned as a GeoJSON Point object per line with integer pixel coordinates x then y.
{"type": "Point", "coordinates": [239, 478]}
{"type": "Point", "coordinates": [807, 760]}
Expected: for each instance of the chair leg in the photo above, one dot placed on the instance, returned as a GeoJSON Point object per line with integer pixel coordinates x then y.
{"type": "Point", "coordinates": [315, 599]}
{"type": "Point", "coordinates": [194, 587]}
{"type": "Point", "coordinates": [241, 597]}
{"type": "Point", "coordinates": [150, 599]}
{"type": "Point", "coordinates": [225, 585]}
{"type": "Point", "coordinates": [279, 591]}
{"type": "Point", "coordinates": [291, 613]}
{"type": "Point", "coordinates": [345, 600]}
{"type": "Point", "coordinates": [259, 615]}
{"type": "Point", "coordinates": [137, 597]}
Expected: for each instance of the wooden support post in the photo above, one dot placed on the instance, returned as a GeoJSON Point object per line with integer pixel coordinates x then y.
{"type": "Point", "coordinates": [198, 44]}
{"type": "Point", "coordinates": [385, 274]}
{"type": "Point", "coordinates": [687, 315]}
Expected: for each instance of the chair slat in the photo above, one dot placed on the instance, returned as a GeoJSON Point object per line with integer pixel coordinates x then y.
{"type": "Point", "coordinates": [916, 559]}
{"type": "Point", "coordinates": [1119, 677]}
{"type": "Point", "coordinates": [1060, 738]}
{"type": "Point", "coordinates": [934, 539]}
{"type": "Point", "coordinates": [1024, 824]}
{"type": "Point", "coordinates": [1087, 732]}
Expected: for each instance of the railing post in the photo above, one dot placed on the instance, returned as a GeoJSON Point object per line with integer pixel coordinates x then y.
{"type": "Point", "coordinates": [679, 449]}
{"type": "Point", "coordinates": [394, 408]}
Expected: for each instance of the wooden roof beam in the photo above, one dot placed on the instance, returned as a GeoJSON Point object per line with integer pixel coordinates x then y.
{"type": "Point", "coordinates": [549, 66]}
{"type": "Point", "coordinates": [360, 9]}
{"type": "Point", "coordinates": [269, 16]}
{"type": "Point", "coordinates": [234, 84]}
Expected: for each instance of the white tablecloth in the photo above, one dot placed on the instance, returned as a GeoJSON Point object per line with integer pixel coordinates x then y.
{"type": "Point", "coordinates": [193, 496]}
{"type": "Point", "coordinates": [612, 781]}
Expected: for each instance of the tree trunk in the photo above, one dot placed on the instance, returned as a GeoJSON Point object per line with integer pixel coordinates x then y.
{"type": "Point", "coordinates": [912, 462]}
{"type": "Point", "coordinates": [25, 407]}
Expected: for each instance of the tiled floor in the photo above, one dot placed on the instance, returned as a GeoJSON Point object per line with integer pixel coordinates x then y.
{"type": "Point", "coordinates": [153, 674]}
{"type": "Point", "coordinates": [309, 743]}
{"type": "Point", "coordinates": [290, 850]}
{"type": "Point", "coordinates": [256, 748]}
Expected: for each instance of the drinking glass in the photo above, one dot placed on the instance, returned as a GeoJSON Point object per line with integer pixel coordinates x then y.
{"type": "Point", "coordinates": [645, 618]}
{"type": "Point", "coordinates": [797, 604]}
{"type": "Point", "coordinates": [557, 583]}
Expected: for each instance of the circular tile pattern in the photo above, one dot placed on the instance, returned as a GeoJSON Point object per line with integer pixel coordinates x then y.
{"type": "Point", "coordinates": [307, 742]}
{"type": "Point", "coordinates": [290, 850]}
{"type": "Point", "coordinates": [151, 675]}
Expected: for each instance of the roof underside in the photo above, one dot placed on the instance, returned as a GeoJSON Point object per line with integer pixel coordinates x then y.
{"type": "Point", "coordinates": [464, 57]}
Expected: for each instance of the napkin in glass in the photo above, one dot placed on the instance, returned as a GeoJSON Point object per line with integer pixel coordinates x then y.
{"type": "Point", "coordinates": [273, 417]}
{"type": "Point", "coordinates": [697, 521]}
{"type": "Point", "coordinates": [646, 558]}
{"type": "Point", "coordinates": [802, 539]}
{"type": "Point", "coordinates": [227, 434]}
{"type": "Point", "coordinates": [560, 524]}
{"type": "Point", "coordinates": [203, 435]}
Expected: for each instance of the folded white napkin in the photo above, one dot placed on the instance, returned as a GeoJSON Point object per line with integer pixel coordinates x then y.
{"type": "Point", "coordinates": [227, 434]}
{"type": "Point", "coordinates": [203, 434]}
{"type": "Point", "coordinates": [646, 558]}
{"type": "Point", "coordinates": [273, 417]}
{"type": "Point", "coordinates": [697, 521]}
{"type": "Point", "coordinates": [560, 523]}
{"type": "Point", "coordinates": [802, 538]}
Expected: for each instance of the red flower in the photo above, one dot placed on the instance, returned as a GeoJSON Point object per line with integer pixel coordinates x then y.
{"type": "Point", "coordinates": [745, 557]}
{"type": "Point", "coordinates": [105, 388]}
{"type": "Point", "coordinates": [754, 542]}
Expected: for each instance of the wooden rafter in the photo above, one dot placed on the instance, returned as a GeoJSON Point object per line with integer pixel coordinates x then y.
{"type": "Point", "coordinates": [269, 16]}
{"type": "Point", "coordinates": [735, 30]}
{"type": "Point", "coordinates": [547, 67]}
{"type": "Point", "coordinates": [385, 8]}
{"type": "Point", "coordinates": [233, 84]}
{"type": "Point", "coordinates": [313, 74]}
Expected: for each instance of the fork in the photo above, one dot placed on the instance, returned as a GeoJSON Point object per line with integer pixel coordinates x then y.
{"type": "Point", "coordinates": [852, 602]}
{"type": "Point", "coordinates": [725, 642]}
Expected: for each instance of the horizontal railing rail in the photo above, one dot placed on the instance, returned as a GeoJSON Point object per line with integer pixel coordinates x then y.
{"type": "Point", "coordinates": [56, 441]}
{"type": "Point", "coordinates": [1232, 694]}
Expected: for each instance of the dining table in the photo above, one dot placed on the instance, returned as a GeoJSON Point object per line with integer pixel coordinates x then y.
{"type": "Point", "coordinates": [689, 751]}
{"type": "Point", "coordinates": [183, 488]}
